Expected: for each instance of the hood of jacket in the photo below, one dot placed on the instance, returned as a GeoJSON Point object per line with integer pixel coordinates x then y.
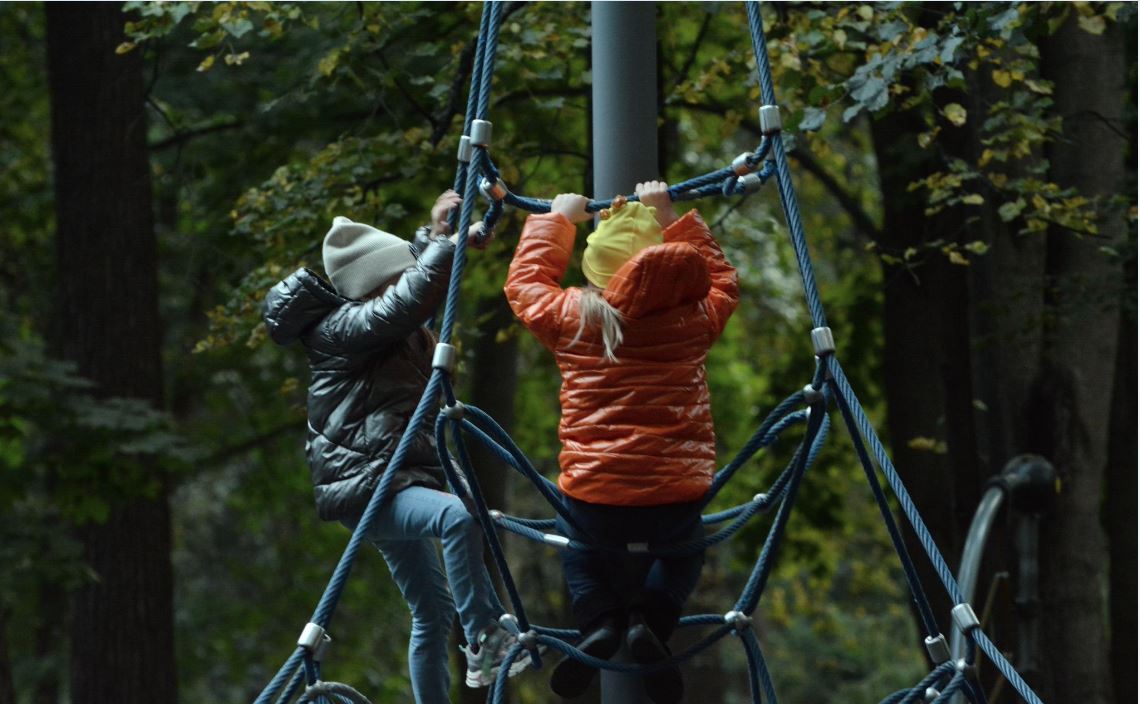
{"type": "Point", "coordinates": [636, 289]}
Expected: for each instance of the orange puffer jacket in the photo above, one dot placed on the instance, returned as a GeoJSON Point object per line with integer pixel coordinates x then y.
{"type": "Point", "coordinates": [637, 432]}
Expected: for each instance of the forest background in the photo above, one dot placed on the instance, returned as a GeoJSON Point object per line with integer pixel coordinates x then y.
{"type": "Point", "coordinates": [967, 174]}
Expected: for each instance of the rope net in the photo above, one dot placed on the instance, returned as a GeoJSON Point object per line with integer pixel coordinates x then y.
{"type": "Point", "coordinates": [477, 172]}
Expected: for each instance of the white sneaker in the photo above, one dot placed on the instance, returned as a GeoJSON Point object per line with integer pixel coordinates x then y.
{"type": "Point", "coordinates": [483, 663]}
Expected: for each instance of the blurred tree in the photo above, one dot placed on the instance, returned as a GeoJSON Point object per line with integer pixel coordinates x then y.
{"type": "Point", "coordinates": [122, 634]}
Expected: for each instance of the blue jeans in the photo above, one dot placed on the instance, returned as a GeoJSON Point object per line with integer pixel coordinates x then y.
{"type": "Point", "coordinates": [607, 586]}
{"type": "Point", "coordinates": [403, 532]}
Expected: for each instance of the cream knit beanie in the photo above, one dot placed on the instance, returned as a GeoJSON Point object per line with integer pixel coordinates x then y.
{"type": "Point", "coordinates": [358, 257]}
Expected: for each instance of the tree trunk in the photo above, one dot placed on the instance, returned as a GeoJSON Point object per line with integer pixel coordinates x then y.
{"type": "Point", "coordinates": [7, 687]}
{"type": "Point", "coordinates": [926, 363]}
{"type": "Point", "coordinates": [122, 641]}
{"type": "Point", "coordinates": [1121, 508]}
{"type": "Point", "coordinates": [1071, 409]}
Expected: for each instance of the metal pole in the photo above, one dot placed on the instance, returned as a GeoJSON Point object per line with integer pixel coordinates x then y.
{"type": "Point", "coordinates": [624, 61]}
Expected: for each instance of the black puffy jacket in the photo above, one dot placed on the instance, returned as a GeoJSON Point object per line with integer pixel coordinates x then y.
{"type": "Point", "coordinates": [369, 362]}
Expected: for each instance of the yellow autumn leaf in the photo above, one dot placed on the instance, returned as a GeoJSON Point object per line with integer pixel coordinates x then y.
{"type": "Point", "coordinates": [927, 444]}
{"type": "Point", "coordinates": [236, 59]}
{"type": "Point", "coordinates": [955, 113]}
{"type": "Point", "coordinates": [1002, 78]}
{"type": "Point", "coordinates": [866, 13]}
{"type": "Point", "coordinates": [956, 258]}
{"type": "Point", "coordinates": [1037, 87]}
{"type": "Point", "coordinates": [973, 199]}
{"type": "Point", "coordinates": [207, 63]}
{"type": "Point", "coordinates": [840, 38]}
{"type": "Point", "coordinates": [124, 47]}
{"type": "Point", "coordinates": [328, 64]}
{"type": "Point", "coordinates": [1092, 25]}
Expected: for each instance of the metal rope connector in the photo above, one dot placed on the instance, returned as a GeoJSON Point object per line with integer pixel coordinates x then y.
{"type": "Point", "coordinates": [812, 395]}
{"type": "Point", "coordinates": [314, 639]}
{"type": "Point", "coordinates": [510, 623]}
{"type": "Point", "coordinates": [481, 133]}
{"type": "Point", "coordinates": [931, 694]}
{"type": "Point", "coordinates": [751, 182]}
{"type": "Point", "coordinates": [465, 150]}
{"type": "Point", "coordinates": [938, 649]}
{"type": "Point", "coordinates": [965, 618]}
{"type": "Point", "coordinates": [770, 122]}
{"type": "Point", "coordinates": [454, 412]}
{"type": "Point", "coordinates": [529, 640]}
{"type": "Point", "coordinates": [558, 541]}
{"type": "Point", "coordinates": [760, 498]}
{"type": "Point", "coordinates": [738, 620]}
{"type": "Point", "coordinates": [445, 357]}
{"type": "Point", "coordinates": [495, 514]}
{"type": "Point", "coordinates": [742, 164]}
{"type": "Point", "coordinates": [823, 341]}
{"type": "Point", "coordinates": [496, 190]}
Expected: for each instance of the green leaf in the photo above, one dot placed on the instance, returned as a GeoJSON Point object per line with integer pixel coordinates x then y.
{"type": "Point", "coordinates": [1009, 211]}
{"type": "Point", "coordinates": [813, 119]}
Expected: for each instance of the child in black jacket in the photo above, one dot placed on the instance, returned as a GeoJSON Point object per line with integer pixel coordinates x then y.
{"type": "Point", "coordinates": [370, 359]}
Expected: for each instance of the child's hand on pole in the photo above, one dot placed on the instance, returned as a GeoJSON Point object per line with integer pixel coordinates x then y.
{"type": "Point", "coordinates": [656, 195]}
{"type": "Point", "coordinates": [447, 201]}
{"type": "Point", "coordinates": [571, 205]}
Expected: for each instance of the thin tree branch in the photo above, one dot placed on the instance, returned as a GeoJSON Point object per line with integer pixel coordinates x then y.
{"type": "Point", "coordinates": [182, 136]}
{"type": "Point", "coordinates": [692, 58]}
{"type": "Point", "coordinates": [253, 443]}
{"type": "Point", "coordinates": [848, 202]}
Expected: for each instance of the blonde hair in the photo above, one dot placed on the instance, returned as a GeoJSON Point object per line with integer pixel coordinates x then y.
{"type": "Point", "coordinates": [596, 313]}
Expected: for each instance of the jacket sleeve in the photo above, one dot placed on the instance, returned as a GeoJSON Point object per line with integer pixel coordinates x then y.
{"type": "Point", "coordinates": [533, 287]}
{"type": "Point", "coordinates": [401, 309]}
{"type": "Point", "coordinates": [724, 292]}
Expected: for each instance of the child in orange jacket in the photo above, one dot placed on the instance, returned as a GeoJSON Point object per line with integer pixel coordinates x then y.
{"type": "Point", "coordinates": [638, 448]}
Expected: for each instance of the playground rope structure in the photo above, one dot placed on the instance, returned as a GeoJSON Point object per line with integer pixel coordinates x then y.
{"type": "Point", "coordinates": [477, 173]}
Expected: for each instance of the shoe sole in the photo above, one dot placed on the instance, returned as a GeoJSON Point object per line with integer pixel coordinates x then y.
{"type": "Point", "coordinates": [475, 680]}
{"type": "Point", "coordinates": [570, 677]}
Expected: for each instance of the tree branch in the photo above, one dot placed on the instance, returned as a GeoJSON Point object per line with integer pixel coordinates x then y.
{"type": "Point", "coordinates": [846, 200]}
{"type": "Point", "coordinates": [182, 136]}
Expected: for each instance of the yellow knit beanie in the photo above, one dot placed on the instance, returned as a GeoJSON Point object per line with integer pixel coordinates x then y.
{"type": "Point", "coordinates": [630, 228]}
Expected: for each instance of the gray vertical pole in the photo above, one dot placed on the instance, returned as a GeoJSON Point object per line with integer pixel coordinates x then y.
{"type": "Point", "coordinates": [624, 62]}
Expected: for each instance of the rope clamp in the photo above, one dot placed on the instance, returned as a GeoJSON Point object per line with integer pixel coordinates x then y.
{"type": "Point", "coordinates": [738, 620]}
{"type": "Point", "coordinates": [495, 514]}
{"type": "Point", "coordinates": [481, 133]}
{"type": "Point", "coordinates": [965, 618]}
{"type": "Point", "coordinates": [938, 649]}
{"type": "Point", "coordinates": [496, 190]}
{"type": "Point", "coordinates": [465, 150]}
{"type": "Point", "coordinates": [823, 341]}
{"type": "Point", "coordinates": [931, 694]}
{"type": "Point", "coordinates": [770, 122]}
{"type": "Point", "coordinates": [812, 395]}
{"type": "Point", "coordinates": [445, 357]}
{"type": "Point", "coordinates": [750, 182]}
{"type": "Point", "coordinates": [454, 412]}
{"type": "Point", "coordinates": [742, 164]}
{"type": "Point", "coordinates": [510, 623]}
{"type": "Point", "coordinates": [558, 541]}
{"type": "Point", "coordinates": [760, 498]}
{"type": "Point", "coordinates": [314, 639]}
{"type": "Point", "coordinates": [528, 640]}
